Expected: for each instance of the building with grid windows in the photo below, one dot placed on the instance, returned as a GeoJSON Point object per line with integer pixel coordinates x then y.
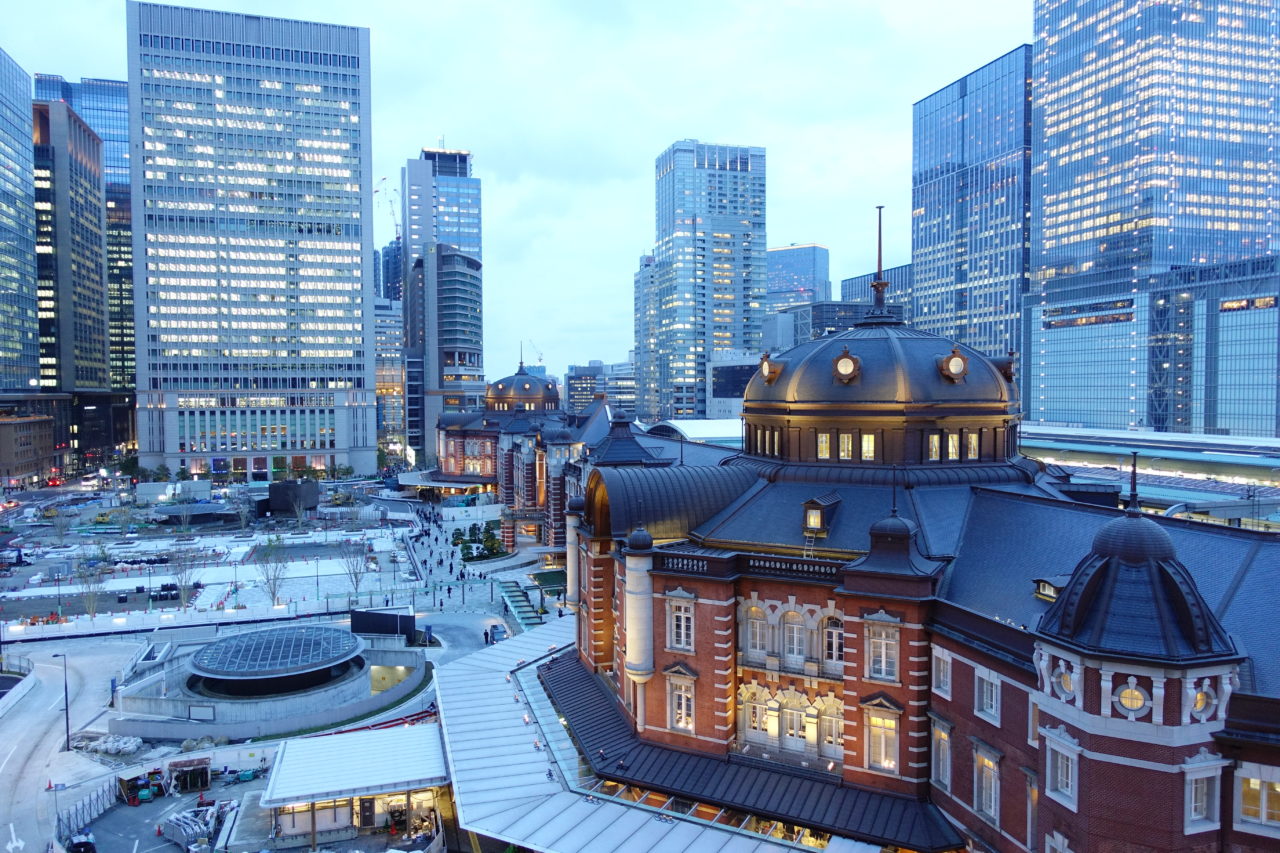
{"type": "Point", "coordinates": [970, 205]}
{"type": "Point", "coordinates": [388, 317]}
{"type": "Point", "coordinates": [898, 293]}
{"type": "Point", "coordinates": [19, 324]}
{"type": "Point", "coordinates": [798, 275]}
{"type": "Point", "coordinates": [702, 290]}
{"type": "Point", "coordinates": [1154, 156]}
{"type": "Point", "coordinates": [252, 247]}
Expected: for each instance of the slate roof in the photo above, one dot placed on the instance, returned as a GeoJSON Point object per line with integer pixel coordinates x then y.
{"type": "Point", "coordinates": [605, 738]}
{"type": "Point", "coordinates": [669, 501]}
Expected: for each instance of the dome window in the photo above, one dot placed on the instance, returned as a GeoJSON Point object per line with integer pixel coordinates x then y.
{"type": "Point", "coordinates": [954, 365]}
{"type": "Point", "coordinates": [1131, 700]}
{"type": "Point", "coordinates": [1204, 701]}
{"type": "Point", "coordinates": [770, 369]}
{"type": "Point", "coordinates": [846, 367]}
{"type": "Point", "coordinates": [1064, 682]}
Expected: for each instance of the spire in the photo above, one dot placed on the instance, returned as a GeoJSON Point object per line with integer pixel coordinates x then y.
{"type": "Point", "coordinates": [1132, 507]}
{"type": "Point", "coordinates": [879, 314]}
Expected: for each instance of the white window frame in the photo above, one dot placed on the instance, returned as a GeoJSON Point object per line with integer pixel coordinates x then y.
{"type": "Point", "coordinates": [1056, 843]}
{"type": "Point", "coordinates": [831, 728]}
{"type": "Point", "coordinates": [868, 447]}
{"type": "Point", "coordinates": [942, 672]}
{"type": "Point", "coordinates": [1263, 775]}
{"type": "Point", "coordinates": [824, 445]}
{"type": "Point", "coordinates": [791, 729]}
{"type": "Point", "coordinates": [974, 446]}
{"type": "Point", "coordinates": [755, 719]}
{"type": "Point", "coordinates": [1200, 813]}
{"type": "Point", "coordinates": [846, 446]}
{"type": "Point", "coordinates": [953, 446]}
{"type": "Point", "coordinates": [980, 792]}
{"type": "Point", "coordinates": [757, 645]}
{"type": "Point", "coordinates": [832, 644]}
{"type": "Point", "coordinates": [794, 634]}
{"type": "Point", "coordinates": [983, 679]}
{"type": "Point", "coordinates": [940, 754]}
{"type": "Point", "coordinates": [680, 625]}
{"type": "Point", "coordinates": [934, 453]}
{"type": "Point", "coordinates": [680, 704]}
{"type": "Point", "coordinates": [882, 738]}
{"type": "Point", "coordinates": [882, 652]}
{"type": "Point", "coordinates": [1062, 768]}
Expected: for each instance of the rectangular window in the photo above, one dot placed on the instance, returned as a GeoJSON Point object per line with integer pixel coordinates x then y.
{"type": "Point", "coordinates": [792, 720]}
{"type": "Point", "coordinates": [868, 448]}
{"type": "Point", "coordinates": [1202, 798]}
{"type": "Point", "coordinates": [953, 446]}
{"type": "Point", "coordinates": [1061, 784]}
{"type": "Point", "coordinates": [846, 446]}
{"type": "Point", "coordinates": [831, 736]}
{"type": "Point", "coordinates": [793, 644]}
{"type": "Point", "coordinates": [940, 752]}
{"type": "Point", "coordinates": [986, 786]}
{"type": "Point", "coordinates": [813, 519]}
{"type": "Point", "coordinates": [986, 695]}
{"type": "Point", "coordinates": [680, 626]}
{"type": "Point", "coordinates": [882, 653]}
{"type": "Point", "coordinates": [942, 673]}
{"type": "Point", "coordinates": [1260, 801]}
{"type": "Point", "coordinates": [935, 447]}
{"type": "Point", "coordinates": [833, 643]}
{"type": "Point", "coordinates": [824, 445]}
{"type": "Point", "coordinates": [882, 741]}
{"type": "Point", "coordinates": [757, 636]}
{"type": "Point", "coordinates": [681, 705]}
{"type": "Point", "coordinates": [973, 445]}
{"type": "Point", "coordinates": [757, 719]}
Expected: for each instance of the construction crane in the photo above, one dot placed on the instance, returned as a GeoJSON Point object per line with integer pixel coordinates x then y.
{"type": "Point", "coordinates": [391, 202]}
{"type": "Point", "coordinates": [536, 351]}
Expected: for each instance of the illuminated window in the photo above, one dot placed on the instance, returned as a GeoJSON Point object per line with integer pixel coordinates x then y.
{"type": "Point", "coordinates": [1259, 799]}
{"type": "Point", "coordinates": [940, 755]}
{"type": "Point", "coordinates": [882, 653]}
{"type": "Point", "coordinates": [831, 734]}
{"type": "Point", "coordinates": [986, 785]}
{"type": "Point", "coordinates": [973, 452]}
{"type": "Point", "coordinates": [953, 446]}
{"type": "Point", "coordinates": [794, 645]}
{"type": "Point", "coordinates": [1131, 700]}
{"type": "Point", "coordinates": [868, 448]}
{"type": "Point", "coordinates": [681, 708]}
{"type": "Point", "coordinates": [846, 446]}
{"type": "Point", "coordinates": [824, 445]}
{"type": "Point", "coordinates": [882, 741]}
{"type": "Point", "coordinates": [791, 721]}
{"type": "Point", "coordinates": [935, 447]}
{"type": "Point", "coordinates": [680, 626]}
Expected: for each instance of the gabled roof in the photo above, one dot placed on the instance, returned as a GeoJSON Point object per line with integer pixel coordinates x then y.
{"type": "Point", "coordinates": [776, 791]}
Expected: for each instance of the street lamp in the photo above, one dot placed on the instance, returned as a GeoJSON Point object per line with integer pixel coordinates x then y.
{"type": "Point", "coordinates": [66, 703]}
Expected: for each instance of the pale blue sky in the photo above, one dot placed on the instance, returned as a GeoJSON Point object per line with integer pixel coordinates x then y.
{"type": "Point", "coordinates": [566, 103]}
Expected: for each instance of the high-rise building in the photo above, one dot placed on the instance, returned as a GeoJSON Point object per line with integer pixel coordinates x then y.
{"type": "Point", "coordinates": [899, 291]}
{"type": "Point", "coordinates": [104, 106]}
{"type": "Point", "coordinates": [19, 324]}
{"type": "Point", "coordinates": [442, 290]}
{"type": "Point", "coordinates": [702, 291]}
{"type": "Point", "coordinates": [970, 200]}
{"type": "Point", "coordinates": [1154, 154]}
{"type": "Point", "coordinates": [581, 384]}
{"type": "Point", "coordinates": [388, 317]}
{"type": "Point", "coordinates": [392, 275]}
{"type": "Point", "coordinates": [800, 323]}
{"type": "Point", "coordinates": [252, 243]}
{"type": "Point", "coordinates": [798, 275]}
{"type": "Point", "coordinates": [71, 273]}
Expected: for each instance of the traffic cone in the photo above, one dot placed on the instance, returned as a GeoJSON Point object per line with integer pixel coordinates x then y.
{"type": "Point", "coordinates": [49, 787]}
{"type": "Point", "coordinates": [158, 832]}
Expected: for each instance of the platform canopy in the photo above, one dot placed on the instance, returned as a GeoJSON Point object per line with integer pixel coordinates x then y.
{"type": "Point", "coordinates": [357, 764]}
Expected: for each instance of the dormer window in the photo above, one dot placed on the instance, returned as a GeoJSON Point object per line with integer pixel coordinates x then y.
{"type": "Point", "coordinates": [813, 519]}
{"type": "Point", "coordinates": [1048, 589]}
{"type": "Point", "coordinates": [818, 512]}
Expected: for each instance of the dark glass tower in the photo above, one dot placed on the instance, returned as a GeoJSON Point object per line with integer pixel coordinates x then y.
{"type": "Point", "coordinates": [1155, 133]}
{"type": "Point", "coordinates": [970, 199]}
{"type": "Point", "coordinates": [19, 329]}
{"type": "Point", "coordinates": [798, 275]}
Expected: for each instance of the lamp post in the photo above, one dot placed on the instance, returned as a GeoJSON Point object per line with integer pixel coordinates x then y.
{"type": "Point", "coordinates": [66, 703]}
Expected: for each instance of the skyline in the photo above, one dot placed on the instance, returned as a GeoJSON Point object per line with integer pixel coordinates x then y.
{"type": "Point", "coordinates": [578, 175]}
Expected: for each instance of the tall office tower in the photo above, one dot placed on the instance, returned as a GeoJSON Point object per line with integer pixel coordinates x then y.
{"type": "Point", "coordinates": [971, 202]}
{"type": "Point", "coordinates": [442, 289]}
{"type": "Point", "coordinates": [252, 243]}
{"type": "Point", "coordinates": [19, 323]}
{"type": "Point", "coordinates": [858, 288]}
{"type": "Point", "coordinates": [703, 290]}
{"type": "Point", "coordinates": [798, 275]}
{"type": "Point", "coordinates": [393, 270]}
{"type": "Point", "coordinates": [104, 106]}
{"type": "Point", "coordinates": [1155, 126]}
{"type": "Point", "coordinates": [71, 252]}
{"type": "Point", "coordinates": [388, 316]}
{"type": "Point", "coordinates": [581, 384]}
{"type": "Point", "coordinates": [620, 386]}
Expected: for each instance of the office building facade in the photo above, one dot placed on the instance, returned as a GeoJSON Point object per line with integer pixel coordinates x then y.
{"type": "Point", "coordinates": [252, 243]}
{"type": "Point", "coordinates": [391, 277]}
{"type": "Point", "coordinates": [798, 275]}
{"type": "Point", "coordinates": [971, 201]}
{"type": "Point", "coordinates": [19, 323]}
{"type": "Point", "coordinates": [388, 317]}
{"type": "Point", "coordinates": [898, 292]}
{"type": "Point", "coordinates": [702, 291]}
{"type": "Point", "coordinates": [802, 323]}
{"type": "Point", "coordinates": [1154, 131]}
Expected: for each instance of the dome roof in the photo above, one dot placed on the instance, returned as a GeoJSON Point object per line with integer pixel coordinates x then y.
{"type": "Point", "coordinates": [1133, 538]}
{"type": "Point", "coordinates": [522, 390]}
{"type": "Point", "coordinates": [639, 540]}
{"type": "Point", "coordinates": [885, 363]}
{"type": "Point", "coordinates": [276, 652]}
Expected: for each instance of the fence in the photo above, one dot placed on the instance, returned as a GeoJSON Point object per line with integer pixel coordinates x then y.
{"type": "Point", "coordinates": [17, 664]}
{"type": "Point", "coordinates": [72, 819]}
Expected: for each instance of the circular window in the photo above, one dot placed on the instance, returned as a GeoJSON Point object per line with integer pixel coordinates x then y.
{"type": "Point", "coordinates": [1131, 700]}
{"type": "Point", "coordinates": [1203, 703]}
{"type": "Point", "coordinates": [1063, 683]}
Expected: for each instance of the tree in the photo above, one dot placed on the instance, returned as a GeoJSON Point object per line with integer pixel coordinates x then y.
{"type": "Point", "coordinates": [273, 567]}
{"type": "Point", "coordinates": [184, 565]}
{"type": "Point", "coordinates": [299, 504]}
{"type": "Point", "coordinates": [61, 523]}
{"type": "Point", "coordinates": [185, 510]}
{"type": "Point", "coordinates": [245, 511]}
{"type": "Point", "coordinates": [92, 584]}
{"type": "Point", "coordinates": [184, 474]}
{"type": "Point", "coordinates": [161, 473]}
{"type": "Point", "coordinates": [355, 563]}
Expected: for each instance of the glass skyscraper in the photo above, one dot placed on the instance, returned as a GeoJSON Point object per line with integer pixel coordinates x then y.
{"type": "Point", "coordinates": [970, 200]}
{"type": "Point", "coordinates": [252, 243]}
{"type": "Point", "coordinates": [1155, 133]}
{"type": "Point", "coordinates": [19, 324]}
{"type": "Point", "coordinates": [104, 106]}
{"type": "Point", "coordinates": [798, 275]}
{"type": "Point", "coordinates": [702, 291]}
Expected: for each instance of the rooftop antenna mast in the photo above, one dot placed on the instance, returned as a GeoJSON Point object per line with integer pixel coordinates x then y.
{"type": "Point", "coordinates": [879, 285]}
{"type": "Point", "coordinates": [1133, 484]}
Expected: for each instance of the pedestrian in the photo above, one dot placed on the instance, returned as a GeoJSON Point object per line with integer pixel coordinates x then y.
{"type": "Point", "coordinates": [450, 591]}
{"type": "Point", "coordinates": [560, 611]}
{"type": "Point", "coordinates": [486, 636]}
{"type": "Point", "coordinates": [386, 602]}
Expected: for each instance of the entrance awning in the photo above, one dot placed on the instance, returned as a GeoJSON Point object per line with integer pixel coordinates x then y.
{"type": "Point", "coordinates": [357, 764]}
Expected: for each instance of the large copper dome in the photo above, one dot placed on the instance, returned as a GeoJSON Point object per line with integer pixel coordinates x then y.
{"type": "Point", "coordinates": [522, 391]}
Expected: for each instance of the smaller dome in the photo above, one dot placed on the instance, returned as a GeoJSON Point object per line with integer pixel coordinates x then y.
{"type": "Point", "coordinates": [639, 540]}
{"type": "Point", "coordinates": [1133, 538]}
{"type": "Point", "coordinates": [577, 504]}
{"type": "Point", "coordinates": [894, 525]}
{"type": "Point", "coordinates": [561, 436]}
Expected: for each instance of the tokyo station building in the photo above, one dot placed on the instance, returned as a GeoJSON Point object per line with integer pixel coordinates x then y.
{"type": "Point", "coordinates": [880, 624]}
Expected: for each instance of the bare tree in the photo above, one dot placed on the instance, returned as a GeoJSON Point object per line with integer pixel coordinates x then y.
{"type": "Point", "coordinates": [185, 567]}
{"type": "Point", "coordinates": [245, 511]}
{"type": "Point", "coordinates": [355, 563]}
{"type": "Point", "coordinates": [61, 523]}
{"type": "Point", "coordinates": [273, 567]}
{"type": "Point", "coordinates": [185, 510]}
{"type": "Point", "coordinates": [299, 505]}
{"type": "Point", "coordinates": [92, 583]}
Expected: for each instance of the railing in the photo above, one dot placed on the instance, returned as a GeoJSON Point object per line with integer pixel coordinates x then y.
{"type": "Point", "coordinates": [767, 754]}
{"type": "Point", "coordinates": [17, 664]}
{"type": "Point", "coordinates": [72, 819]}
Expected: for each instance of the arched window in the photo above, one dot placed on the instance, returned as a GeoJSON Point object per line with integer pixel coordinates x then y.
{"type": "Point", "coordinates": [791, 731]}
{"type": "Point", "coordinates": [831, 732]}
{"type": "Point", "coordinates": [794, 641]}
{"type": "Point", "coordinates": [832, 645]}
{"type": "Point", "coordinates": [756, 641]}
{"type": "Point", "coordinates": [755, 717]}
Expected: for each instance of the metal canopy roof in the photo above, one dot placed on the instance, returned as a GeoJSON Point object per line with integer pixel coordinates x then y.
{"type": "Point", "coordinates": [276, 651]}
{"type": "Point", "coordinates": [357, 764]}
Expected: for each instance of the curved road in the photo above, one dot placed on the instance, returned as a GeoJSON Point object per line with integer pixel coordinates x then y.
{"type": "Point", "coordinates": [33, 731]}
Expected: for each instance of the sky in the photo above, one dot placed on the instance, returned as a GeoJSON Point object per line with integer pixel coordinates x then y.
{"type": "Point", "coordinates": [565, 104]}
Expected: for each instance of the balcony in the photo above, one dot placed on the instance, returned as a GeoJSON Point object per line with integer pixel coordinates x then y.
{"type": "Point", "coordinates": [768, 756]}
